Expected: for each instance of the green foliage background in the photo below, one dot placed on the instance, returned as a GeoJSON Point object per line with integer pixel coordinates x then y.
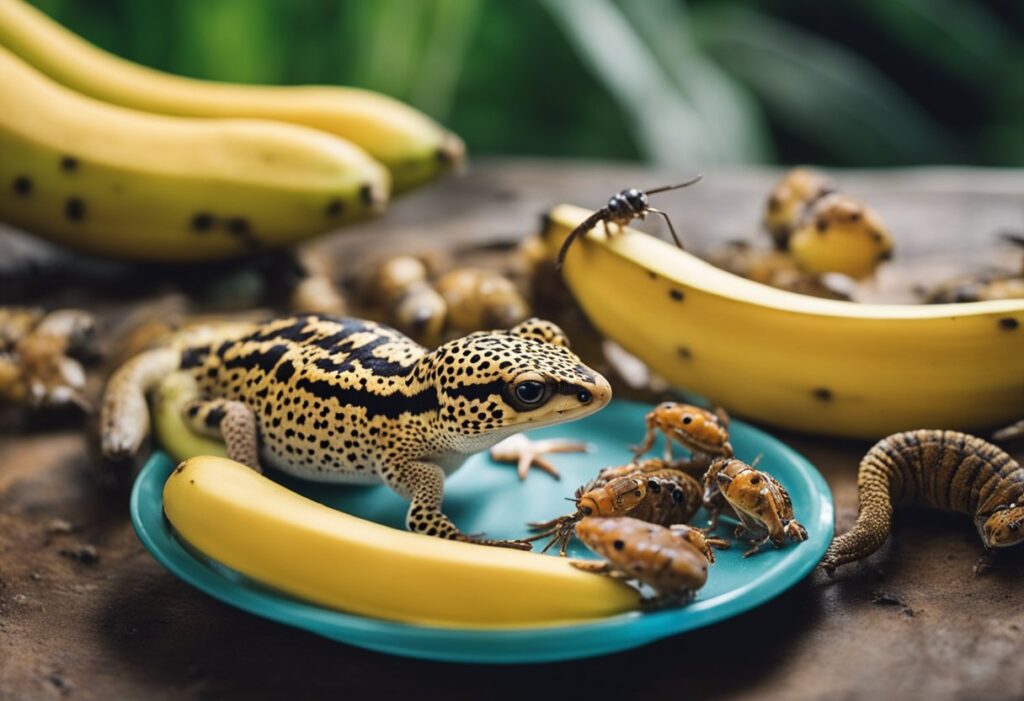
{"type": "Point", "coordinates": [860, 83]}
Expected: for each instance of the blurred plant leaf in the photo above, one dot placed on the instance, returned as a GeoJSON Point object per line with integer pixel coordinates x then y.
{"type": "Point", "coordinates": [667, 128]}
{"type": "Point", "coordinates": [453, 27]}
{"type": "Point", "coordinates": [968, 43]}
{"type": "Point", "coordinates": [821, 91]}
{"type": "Point", "coordinates": [152, 36]}
{"type": "Point", "coordinates": [964, 38]}
{"type": "Point", "coordinates": [732, 117]}
{"type": "Point", "coordinates": [388, 37]}
{"type": "Point", "coordinates": [212, 30]}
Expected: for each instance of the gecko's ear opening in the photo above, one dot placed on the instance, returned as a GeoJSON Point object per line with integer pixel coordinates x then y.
{"type": "Point", "coordinates": [541, 330]}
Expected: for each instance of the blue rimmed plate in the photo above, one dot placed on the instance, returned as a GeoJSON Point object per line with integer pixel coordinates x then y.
{"type": "Point", "coordinates": [487, 497]}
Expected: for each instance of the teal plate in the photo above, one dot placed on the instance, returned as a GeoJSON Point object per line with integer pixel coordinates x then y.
{"type": "Point", "coordinates": [487, 497]}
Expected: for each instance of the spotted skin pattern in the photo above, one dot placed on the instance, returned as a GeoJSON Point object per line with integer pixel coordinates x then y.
{"type": "Point", "coordinates": [944, 470]}
{"type": "Point", "coordinates": [234, 421]}
{"type": "Point", "coordinates": [346, 400]}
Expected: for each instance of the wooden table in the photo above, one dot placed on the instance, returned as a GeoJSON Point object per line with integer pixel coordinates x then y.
{"type": "Point", "coordinates": [913, 621]}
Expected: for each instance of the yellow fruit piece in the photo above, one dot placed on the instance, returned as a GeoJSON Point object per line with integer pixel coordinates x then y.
{"type": "Point", "coordinates": [279, 538]}
{"type": "Point", "coordinates": [789, 199]}
{"type": "Point", "coordinates": [791, 360]}
{"type": "Point", "coordinates": [171, 432]}
{"type": "Point", "coordinates": [412, 146]}
{"type": "Point", "coordinates": [840, 235]}
{"type": "Point", "coordinates": [120, 183]}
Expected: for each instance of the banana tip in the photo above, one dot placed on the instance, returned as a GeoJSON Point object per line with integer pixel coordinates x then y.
{"type": "Point", "coordinates": [374, 196]}
{"type": "Point", "coordinates": [452, 152]}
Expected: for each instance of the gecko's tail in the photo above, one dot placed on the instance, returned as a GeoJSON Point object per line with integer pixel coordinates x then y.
{"type": "Point", "coordinates": [124, 414]}
{"type": "Point", "coordinates": [874, 517]}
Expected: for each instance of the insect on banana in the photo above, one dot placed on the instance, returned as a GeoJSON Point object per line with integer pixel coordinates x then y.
{"type": "Point", "coordinates": [804, 363]}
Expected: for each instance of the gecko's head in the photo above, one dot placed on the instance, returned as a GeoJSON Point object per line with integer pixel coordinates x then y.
{"type": "Point", "coordinates": [1004, 528]}
{"type": "Point", "coordinates": [496, 383]}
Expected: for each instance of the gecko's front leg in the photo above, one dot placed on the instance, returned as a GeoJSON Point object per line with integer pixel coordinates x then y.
{"type": "Point", "coordinates": [231, 421]}
{"type": "Point", "coordinates": [422, 484]}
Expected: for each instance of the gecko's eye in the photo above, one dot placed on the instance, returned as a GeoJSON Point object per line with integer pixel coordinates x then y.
{"type": "Point", "coordinates": [586, 510]}
{"type": "Point", "coordinates": [755, 480]}
{"type": "Point", "coordinates": [583, 396]}
{"type": "Point", "coordinates": [530, 392]}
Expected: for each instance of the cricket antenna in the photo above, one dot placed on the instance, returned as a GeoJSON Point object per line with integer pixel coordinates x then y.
{"type": "Point", "coordinates": [666, 188]}
{"type": "Point", "coordinates": [621, 209]}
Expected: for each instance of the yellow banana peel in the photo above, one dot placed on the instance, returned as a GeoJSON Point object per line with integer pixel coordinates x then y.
{"type": "Point", "coordinates": [790, 360]}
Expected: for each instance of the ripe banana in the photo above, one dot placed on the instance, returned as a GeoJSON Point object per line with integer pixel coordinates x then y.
{"type": "Point", "coordinates": [412, 146]}
{"type": "Point", "coordinates": [112, 181]}
{"type": "Point", "coordinates": [840, 235]}
{"type": "Point", "coordinates": [277, 537]}
{"type": "Point", "coordinates": [795, 361]}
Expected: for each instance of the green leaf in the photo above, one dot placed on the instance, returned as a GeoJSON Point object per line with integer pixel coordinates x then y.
{"type": "Point", "coordinates": [821, 91]}
{"type": "Point", "coordinates": [963, 38]}
{"type": "Point", "coordinates": [668, 129]}
{"type": "Point", "coordinates": [453, 27]}
{"type": "Point", "coordinates": [732, 118]}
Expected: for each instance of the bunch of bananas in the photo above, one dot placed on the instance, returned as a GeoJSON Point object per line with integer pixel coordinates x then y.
{"type": "Point", "coordinates": [792, 360]}
{"type": "Point", "coordinates": [111, 158]}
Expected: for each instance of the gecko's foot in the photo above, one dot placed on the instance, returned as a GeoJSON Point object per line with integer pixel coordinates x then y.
{"type": "Point", "coordinates": [526, 453]}
{"type": "Point", "coordinates": [477, 540]}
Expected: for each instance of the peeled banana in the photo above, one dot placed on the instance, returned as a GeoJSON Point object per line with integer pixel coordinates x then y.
{"type": "Point", "coordinates": [279, 538]}
{"type": "Point", "coordinates": [799, 362]}
{"type": "Point", "coordinates": [112, 181]}
{"type": "Point", "coordinates": [412, 146]}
